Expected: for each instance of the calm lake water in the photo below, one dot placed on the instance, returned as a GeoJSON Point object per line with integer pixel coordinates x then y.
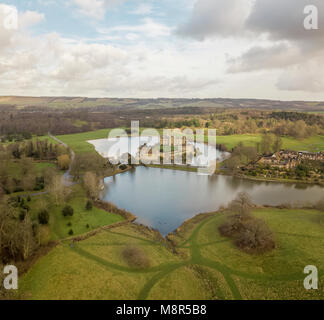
{"type": "Point", "coordinates": [164, 199]}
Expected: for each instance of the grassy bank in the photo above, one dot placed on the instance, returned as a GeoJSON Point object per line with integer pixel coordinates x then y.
{"type": "Point", "coordinates": [206, 266]}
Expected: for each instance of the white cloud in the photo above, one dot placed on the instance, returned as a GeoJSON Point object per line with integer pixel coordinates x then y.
{"type": "Point", "coordinates": [216, 18]}
{"type": "Point", "coordinates": [147, 28]}
{"type": "Point", "coordinates": [146, 60]}
{"type": "Point", "coordinates": [143, 9]}
{"type": "Point", "coordinates": [95, 9]}
{"type": "Point", "coordinates": [30, 18]}
{"type": "Point", "coordinates": [275, 56]}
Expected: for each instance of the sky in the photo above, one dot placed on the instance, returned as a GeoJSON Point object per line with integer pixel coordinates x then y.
{"type": "Point", "coordinates": [162, 48]}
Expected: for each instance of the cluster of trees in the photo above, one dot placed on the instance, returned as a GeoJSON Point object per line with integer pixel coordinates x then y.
{"type": "Point", "coordinates": [19, 236]}
{"type": "Point", "coordinates": [250, 234]}
{"type": "Point", "coordinates": [90, 162]}
{"type": "Point", "coordinates": [269, 144]}
{"type": "Point", "coordinates": [25, 179]}
{"type": "Point", "coordinates": [17, 169]}
{"type": "Point", "coordinates": [17, 124]}
{"type": "Point", "coordinates": [241, 155]}
{"type": "Point", "coordinates": [39, 150]}
{"type": "Point", "coordinates": [12, 137]}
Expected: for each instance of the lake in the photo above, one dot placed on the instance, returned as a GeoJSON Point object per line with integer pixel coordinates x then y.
{"type": "Point", "coordinates": [164, 199]}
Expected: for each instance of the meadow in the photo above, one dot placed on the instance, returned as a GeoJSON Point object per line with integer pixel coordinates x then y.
{"type": "Point", "coordinates": [200, 265]}
{"type": "Point", "coordinates": [78, 142]}
{"type": "Point", "coordinates": [82, 220]}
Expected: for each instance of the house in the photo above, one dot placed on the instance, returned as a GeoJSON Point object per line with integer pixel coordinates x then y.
{"type": "Point", "coordinates": [290, 159]}
{"type": "Point", "coordinates": [314, 156]}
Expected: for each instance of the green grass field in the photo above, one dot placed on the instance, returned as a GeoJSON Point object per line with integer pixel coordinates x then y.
{"type": "Point", "coordinates": [312, 144]}
{"type": "Point", "coordinates": [15, 170]}
{"type": "Point", "coordinates": [82, 221]}
{"type": "Point", "coordinates": [78, 142]}
{"type": "Point", "coordinates": [207, 265]}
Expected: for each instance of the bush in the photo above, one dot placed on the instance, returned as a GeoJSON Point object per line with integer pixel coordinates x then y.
{"type": "Point", "coordinates": [136, 257]}
{"type": "Point", "coordinates": [87, 226]}
{"type": "Point", "coordinates": [71, 232]}
{"type": "Point", "coordinates": [69, 224]}
{"type": "Point", "coordinates": [28, 199]}
{"type": "Point", "coordinates": [22, 215]}
{"type": "Point", "coordinates": [123, 167]}
{"type": "Point", "coordinates": [68, 211]}
{"type": "Point", "coordinates": [43, 217]}
{"type": "Point", "coordinates": [255, 237]}
{"type": "Point", "coordinates": [89, 205]}
{"type": "Point", "coordinates": [250, 235]}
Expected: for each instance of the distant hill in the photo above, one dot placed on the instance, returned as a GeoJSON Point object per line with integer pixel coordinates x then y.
{"type": "Point", "coordinates": [81, 102]}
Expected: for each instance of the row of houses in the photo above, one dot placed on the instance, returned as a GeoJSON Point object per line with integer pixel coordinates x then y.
{"type": "Point", "coordinates": [286, 159]}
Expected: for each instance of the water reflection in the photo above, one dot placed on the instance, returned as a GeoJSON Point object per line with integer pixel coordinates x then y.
{"type": "Point", "coordinates": [163, 199]}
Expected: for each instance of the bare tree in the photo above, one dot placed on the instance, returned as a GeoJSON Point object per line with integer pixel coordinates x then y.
{"type": "Point", "coordinates": [242, 205]}
{"type": "Point", "coordinates": [91, 184]}
{"type": "Point", "coordinates": [58, 192]}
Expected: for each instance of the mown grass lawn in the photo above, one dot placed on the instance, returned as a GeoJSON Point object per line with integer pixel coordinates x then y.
{"type": "Point", "coordinates": [14, 168]}
{"type": "Point", "coordinates": [78, 141]}
{"type": "Point", "coordinates": [312, 144]}
{"type": "Point", "coordinates": [207, 265]}
{"type": "Point", "coordinates": [82, 220]}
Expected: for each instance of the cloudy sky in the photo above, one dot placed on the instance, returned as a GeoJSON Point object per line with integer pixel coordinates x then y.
{"type": "Point", "coordinates": [161, 48]}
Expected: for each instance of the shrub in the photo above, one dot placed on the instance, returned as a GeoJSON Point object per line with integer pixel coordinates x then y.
{"type": "Point", "coordinates": [136, 257]}
{"type": "Point", "coordinates": [231, 227]}
{"type": "Point", "coordinates": [71, 232]}
{"type": "Point", "coordinates": [123, 167]}
{"type": "Point", "coordinates": [28, 199]}
{"type": "Point", "coordinates": [255, 237]}
{"type": "Point", "coordinates": [64, 161]}
{"type": "Point", "coordinates": [87, 226]}
{"type": "Point", "coordinates": [89, 205]}
{"type": "Point", "coordinates": [43, 217]}
{"type": "Point", "coordinates": [22, 215]}
{"type": "Point", "coordinates": [68, 211]}
{"type": "Point", "coordinates": [250, 235]}
{"type": "Point", "coordinates": [69, 224]}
